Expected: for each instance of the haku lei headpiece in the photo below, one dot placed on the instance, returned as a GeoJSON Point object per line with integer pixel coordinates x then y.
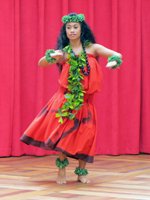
{"type": "Point", "coordinates": [73, 18]}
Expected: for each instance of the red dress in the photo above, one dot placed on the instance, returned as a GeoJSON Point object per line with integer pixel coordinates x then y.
{"type": "Point", "coordinates": [75, 138]}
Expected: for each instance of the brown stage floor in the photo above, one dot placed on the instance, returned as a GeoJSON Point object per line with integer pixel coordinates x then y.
{"type": "Point", "coordinates": [125, 177]}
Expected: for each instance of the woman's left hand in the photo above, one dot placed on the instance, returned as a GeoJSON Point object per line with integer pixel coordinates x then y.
{"type": "Point", "coordinates": [111, 64]}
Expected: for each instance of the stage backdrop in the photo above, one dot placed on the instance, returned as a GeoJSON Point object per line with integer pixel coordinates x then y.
{"type": "Point", "coordinates": [29, 27]}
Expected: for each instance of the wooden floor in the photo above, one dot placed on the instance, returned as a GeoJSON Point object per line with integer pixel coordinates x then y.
{"type": "Point", "coordinates": [124, 177]}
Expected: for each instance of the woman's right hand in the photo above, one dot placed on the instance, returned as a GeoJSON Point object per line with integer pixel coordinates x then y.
{"type": "Point", "coordinates": [58, 55]}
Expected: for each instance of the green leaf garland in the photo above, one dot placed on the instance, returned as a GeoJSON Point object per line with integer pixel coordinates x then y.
{"type": "Point", "coordinates": [75, 95]}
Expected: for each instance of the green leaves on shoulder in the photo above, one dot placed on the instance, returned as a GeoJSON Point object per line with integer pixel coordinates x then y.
{"type": "Point", "coordinates": [67, 49]}
{"type": "Point", "coordinates": [87, 43]}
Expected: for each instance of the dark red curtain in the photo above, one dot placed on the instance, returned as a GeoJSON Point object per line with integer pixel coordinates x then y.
{"type": "Point", "coordinates": [29, 27]}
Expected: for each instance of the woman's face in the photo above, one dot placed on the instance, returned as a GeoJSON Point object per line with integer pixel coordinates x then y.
{"type": "Point", "coordinates": [73, 30]}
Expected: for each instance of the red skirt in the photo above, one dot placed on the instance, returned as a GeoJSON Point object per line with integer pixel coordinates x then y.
{"type": "Point", "coordinates": [75, 138]}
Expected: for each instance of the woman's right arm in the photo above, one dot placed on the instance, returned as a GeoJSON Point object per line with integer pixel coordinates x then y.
{"type": "Point", "coordinates": [42, 62]}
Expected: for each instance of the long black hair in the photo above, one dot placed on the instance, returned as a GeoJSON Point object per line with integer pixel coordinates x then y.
{"type": "Point", "coordinates": [86, 35]}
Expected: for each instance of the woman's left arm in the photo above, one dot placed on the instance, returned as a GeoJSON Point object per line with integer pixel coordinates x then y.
{"type": "Point", "coordinates": [103, 51]}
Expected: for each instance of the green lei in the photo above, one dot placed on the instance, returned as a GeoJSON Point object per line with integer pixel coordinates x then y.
{"type": "Point", "coordinates": [75, 95]}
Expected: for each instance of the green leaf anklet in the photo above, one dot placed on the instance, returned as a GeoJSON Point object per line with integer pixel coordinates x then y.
{"type": "Point", "coordinates": [62, 163]}
{"type": "Point", "coordinates": [80, 171]}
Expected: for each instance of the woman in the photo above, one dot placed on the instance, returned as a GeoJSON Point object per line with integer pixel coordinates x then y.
{"type": "Point", "coordinates": [67, 123]}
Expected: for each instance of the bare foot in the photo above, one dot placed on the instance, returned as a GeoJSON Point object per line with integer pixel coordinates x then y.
{"type": "Point", "coordinates": [83, 179]}
{"type": "Point", "coordinates": [61, 178]}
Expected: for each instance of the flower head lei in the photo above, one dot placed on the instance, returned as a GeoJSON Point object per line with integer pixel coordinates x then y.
{"type": "Point", "coordinates": [73, 18]}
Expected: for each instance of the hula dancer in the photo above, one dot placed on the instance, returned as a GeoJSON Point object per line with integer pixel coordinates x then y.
{"type": "Point", "coordinates": [67, 123]}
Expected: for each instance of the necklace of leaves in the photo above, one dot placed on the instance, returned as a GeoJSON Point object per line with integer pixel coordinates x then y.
{"type": "Point", "coordinates": [75, 95]}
